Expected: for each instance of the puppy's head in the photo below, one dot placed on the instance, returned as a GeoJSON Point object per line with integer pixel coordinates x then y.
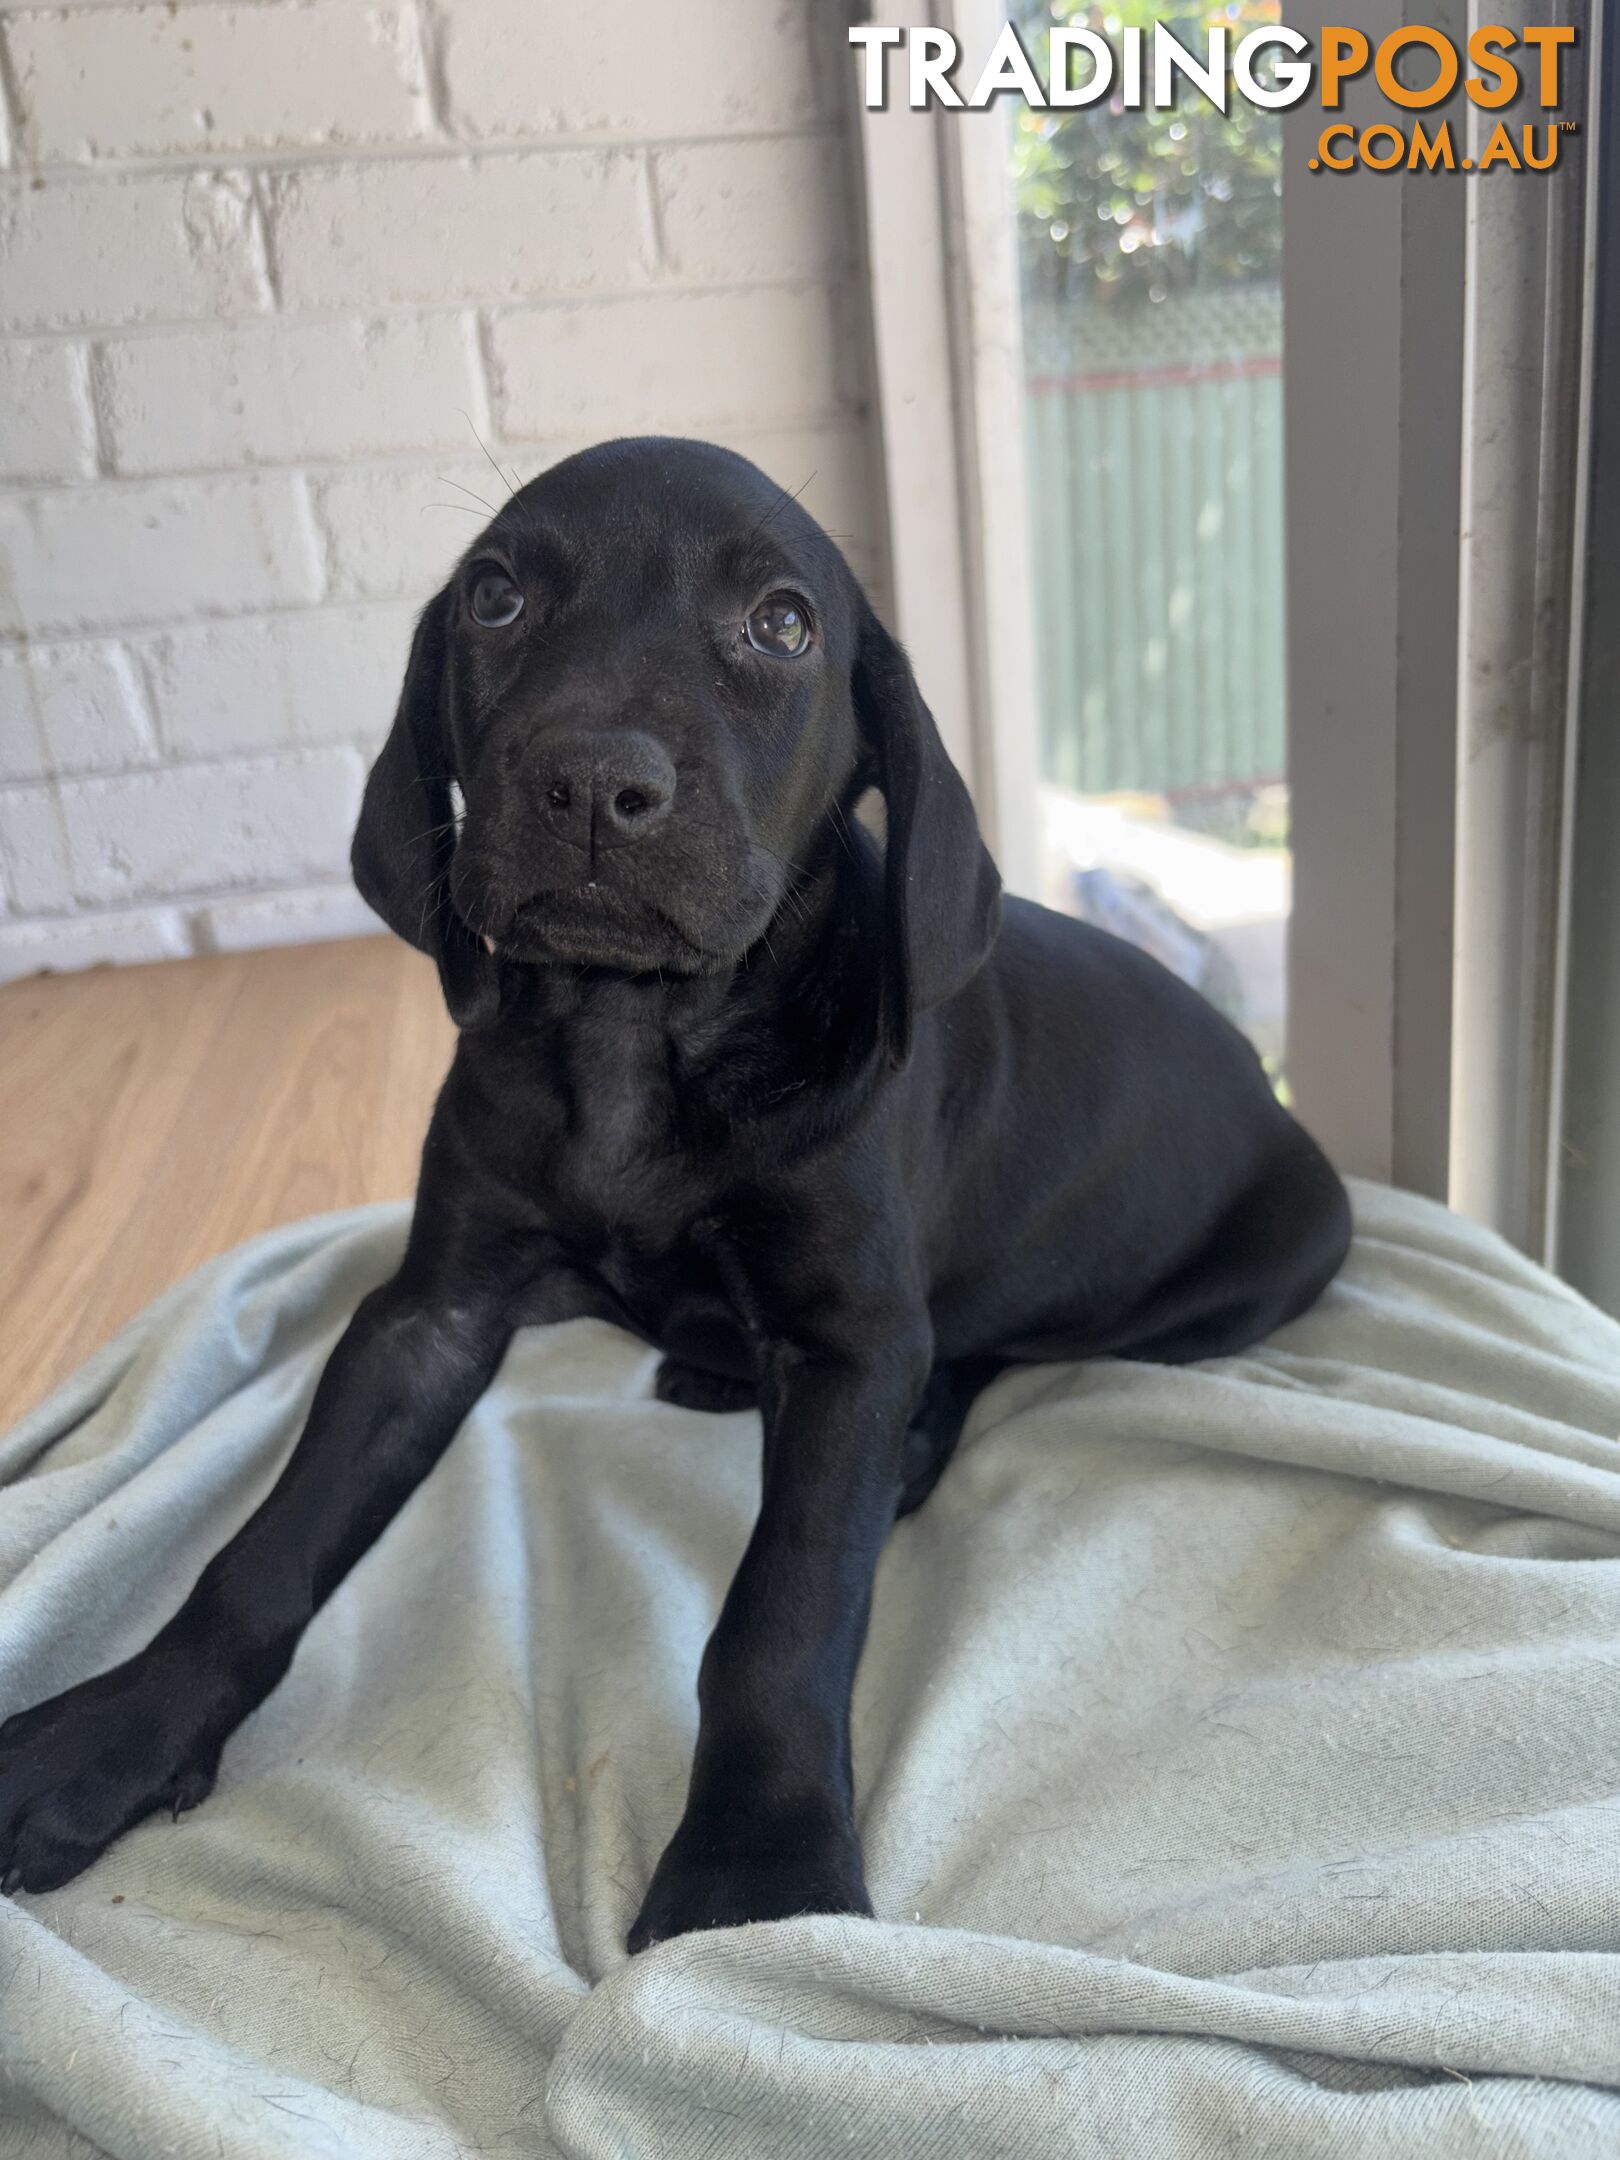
{"type": "Point", "coordinates": [654, 682]}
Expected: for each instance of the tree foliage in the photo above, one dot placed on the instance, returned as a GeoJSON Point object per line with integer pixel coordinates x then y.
{"type": "Point", "coordinates": [1125, 208]}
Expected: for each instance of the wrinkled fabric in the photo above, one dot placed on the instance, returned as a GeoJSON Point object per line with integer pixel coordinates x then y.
{"type": "Point", "coordinates": [1237, 1748]}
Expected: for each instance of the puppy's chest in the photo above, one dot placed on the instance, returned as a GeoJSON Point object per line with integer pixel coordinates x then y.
{"type": "Point", "coordinates": [636, 1198]}
{"type": "Point", "coordinates": [623, 1159]}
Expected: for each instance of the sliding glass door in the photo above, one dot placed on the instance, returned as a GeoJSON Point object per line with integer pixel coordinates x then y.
{"type": "Point", "coordinates": [1233, 501]}
{"type": "Point", "coordinates": [1149, 252]}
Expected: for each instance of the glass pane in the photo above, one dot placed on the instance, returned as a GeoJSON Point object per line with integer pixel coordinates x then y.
{"type": "Point", "coordinates": [1150, 247]}
{"type": "Point", "coordinates": [1588, 1164]}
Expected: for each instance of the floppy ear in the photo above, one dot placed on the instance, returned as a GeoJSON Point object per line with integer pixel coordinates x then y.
{"type": "Point", "coordinates": [406, 834]}
{"type": "Point", "coordinates": [941, 891]}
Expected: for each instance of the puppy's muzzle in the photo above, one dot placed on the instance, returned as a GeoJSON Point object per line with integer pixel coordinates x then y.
{"type": "Point", "coordinates": [597, 793]}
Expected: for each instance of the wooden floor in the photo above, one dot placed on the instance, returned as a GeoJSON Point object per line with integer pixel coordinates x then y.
{"type": "Point", "coordinates": [152, 1116]}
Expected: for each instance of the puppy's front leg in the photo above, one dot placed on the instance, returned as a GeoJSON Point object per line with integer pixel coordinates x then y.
{"type": "Point", "coordinates": [81, 1768]}
{"type": "Point", "coordinates": [769, 1826]}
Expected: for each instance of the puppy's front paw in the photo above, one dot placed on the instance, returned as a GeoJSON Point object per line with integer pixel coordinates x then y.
{"type": "Point", "coordinates": [80, 1769]}
{"type": "Point", "coordinates": [724, 1874]}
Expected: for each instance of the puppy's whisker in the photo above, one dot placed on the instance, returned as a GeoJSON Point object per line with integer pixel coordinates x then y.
{"type": "Point", "coordinates": [513, 491]}
{"type": "Point", "coordinates": [432, 832]}
{"type": "Point", "coordinates": [784, 497]}
{"type": "Point", "coordinates": [430, 915]}
{"type": "Point", "coordinates": [461, 486]}
{"type": "Point", "coordinates": [484, 446]}
{"type": "Point", "coordinates": [840, 826]}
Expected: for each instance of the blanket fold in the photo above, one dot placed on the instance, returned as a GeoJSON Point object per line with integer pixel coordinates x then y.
{"type": "Point", "coordinates": [1237, 1747]}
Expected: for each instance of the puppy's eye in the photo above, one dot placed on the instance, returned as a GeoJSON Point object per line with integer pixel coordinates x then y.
{"type": "Point", "coordinates": [778, 627]}
{"type": "Point", "coordinates": [495, 601]}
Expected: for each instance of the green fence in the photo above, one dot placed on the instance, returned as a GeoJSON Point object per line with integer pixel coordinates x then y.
{"type": "Point", "coordinates": [1155, 478]}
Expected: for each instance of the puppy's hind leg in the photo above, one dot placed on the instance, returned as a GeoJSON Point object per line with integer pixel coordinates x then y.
{"type": "Point", "coordinates": [936, 1426]}
{"type": "Point", "coordinates": [694, 1388]}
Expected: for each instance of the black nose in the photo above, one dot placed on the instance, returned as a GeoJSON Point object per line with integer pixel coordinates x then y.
{"type": "Point", "coordinates": [600, 792]}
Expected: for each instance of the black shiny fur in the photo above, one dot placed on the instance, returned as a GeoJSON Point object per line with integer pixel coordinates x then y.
{"type": "Point", "coordinates": [813, 1114]}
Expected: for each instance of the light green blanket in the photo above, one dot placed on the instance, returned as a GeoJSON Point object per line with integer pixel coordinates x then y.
{"type": "Point", "coordinates": [1237, 1747]}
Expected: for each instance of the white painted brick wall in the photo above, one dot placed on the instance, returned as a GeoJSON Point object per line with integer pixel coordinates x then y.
{"type": "Point", "coordinates": [674, 360]}
{"type": "Point", "coordinates": [146, 836]}
{"type": "Point", "coordinates": [264, 269]}
{"type": "Point", "coordinates": [47, 426]}
{"type": "Point", "coordinates": [432, 230]}
{"type": "Point", "coordinates": [148, 247]}
{"type": "Point", "coordinates": [76, 708]}
{"type": "Point", "coordinates": [734, 212]}
{"type": "Point", "coordinates": [283, 391]}
{"type": "Point", "coordinates": [516, 69]}
{"type": "Point", "coordinates": [137, 82]}
{"type": "Point", "coordinates": [310, 675]}
{"type": "Point", "coordinates": [83, 558]}
{"type": "Point", "coordinates": [391, 531]}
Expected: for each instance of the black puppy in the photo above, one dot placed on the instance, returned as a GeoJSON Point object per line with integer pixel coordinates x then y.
{"type": "Point", "coordinates": [813, 1115]}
